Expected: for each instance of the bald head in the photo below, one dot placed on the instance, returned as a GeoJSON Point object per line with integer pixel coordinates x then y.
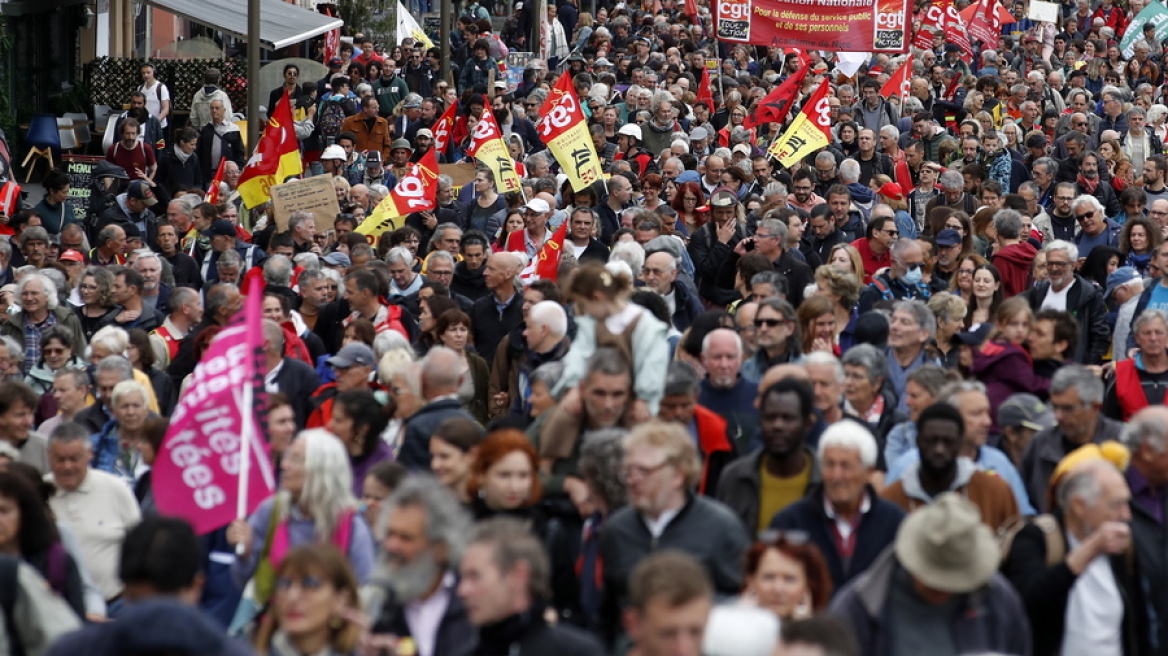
{"type": "Point", "coordinates": [780, 372]}
{"type": "Point", "coordinates": [442, 371]}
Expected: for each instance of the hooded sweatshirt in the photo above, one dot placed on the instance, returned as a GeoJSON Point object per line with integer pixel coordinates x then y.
{"type": "Point", "coordinates": [987, 491]}
{"type": "Point", "coordinates": [469, 282]}
{"type": "Point", "coordinates": [1014, 263]}
{"type": "Point", "coordinates": [1006, 369]}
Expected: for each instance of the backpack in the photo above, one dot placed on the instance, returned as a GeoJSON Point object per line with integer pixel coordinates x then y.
{"type": "Point", "coordinates": [331, 118]}
{"type": "Point", "coordinates": [1056, 549]}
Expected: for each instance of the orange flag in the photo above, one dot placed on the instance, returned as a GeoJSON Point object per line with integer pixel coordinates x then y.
{"type": "Point", "coordinates": [277, 157]}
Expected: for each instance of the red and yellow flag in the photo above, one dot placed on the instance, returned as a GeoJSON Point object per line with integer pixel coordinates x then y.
{"type": "Point", "coordinates": [213, 190]}
{"type": "Point", "coordinates": [546, 265]}
{"type": "Point", "coordinates": [563, 129]}
{"type": "Point", "coordinates": [276, 159]}
{"type": "Point", "coordinates": [417, 191]}
{"type": "Point", "coordinates": [487, 146]}
{"type": "Point", "coordinates": [810, 131]}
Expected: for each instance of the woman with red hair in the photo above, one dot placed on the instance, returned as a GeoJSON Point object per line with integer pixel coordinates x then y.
{"type": "Point", "coordinates": [690, 204]}
{"type": "Point", "coordinates": [504, 478]}
{"type": "Point", "coordinates": [787, 575]}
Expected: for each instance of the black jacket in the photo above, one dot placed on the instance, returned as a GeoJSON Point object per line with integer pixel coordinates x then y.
{"type": "Point", "coordinates": [1150, 537]}
{"type": "Point", "coordinates": [298, 381]}
{"type": "Point", "coordinates": [492, 326]}
{"type": "Point", "coordinates": [1046, 590]}
{"type": "Point", "coordinates": [527, 634]}
{"type": "Point", "coordinates": [1085, 303]}
{"type": "Point", "coordinates": [469, 282]}
{"type": "Point", "coordinates": [876, 530]}
{"type": "Point", "coordinates": [708, 253]}
{"type": "Point", "coordinates": [797, 273]}
{"type": "Point", "coordinates": [415, 448]}
{"type": "Point", "coordinates": [186, 271]}
{"type": "Point", "coordinates": [232, 149]}
{"type": "Point", "coordinates": [174, 174]}
{"type": "Point", "coordinates": [456, 636]}
{"type": "Point", "coordinates": [594, 251]}
{"type": "Point", "coordinates": [703, 528]}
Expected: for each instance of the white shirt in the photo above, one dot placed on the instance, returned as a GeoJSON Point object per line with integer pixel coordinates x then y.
{"type": "Point", "coordinates": [1056, 300]}
{"type": "Point", "coordinates": [842, 525]}
{"type": "Point", "coordinates": [153, 104]}
{"type": "Point", "coordinates": [1094, 617]}
{"type": "Point", "coordinates": [270, 384]}
{"type": "Point", "coordinates": [657, 526]}
{"type": "Point", "coordinates": [100, 512]}
{"type": "Point", "coordinates": [424, 616]}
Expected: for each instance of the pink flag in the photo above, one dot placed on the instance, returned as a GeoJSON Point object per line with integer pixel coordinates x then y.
{"type": "Point", "coordinates": [199, 469]}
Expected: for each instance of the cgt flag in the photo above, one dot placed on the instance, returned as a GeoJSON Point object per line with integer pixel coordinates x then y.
{"type": "Point", "coordinates": [899, 84]}
{"type": "Point", "coordinates": [775, 107]}
{"type": "Point", "coordinates": [417, 191]}
{"type": "Point", "coordinates": [562, 128]}
{"type": "Point", "coordinates": [212, 464]}
{"type": "Point", "coordinates": [705, 91]}
{"type": "Point", "coordinates": [810, 131]}
{"type": "Point", "coordinates": [985, 24]}
{"type": "Point", "coordinates": [486, 145]}
{"type": "Point", "coordinates": [443, 127]}
{"type": "Point", "coordinates": [276, 159]}
{"type": "Point", "coordinates": [546, 265]}
{"type": "Point", "coordinates": [213, 190]}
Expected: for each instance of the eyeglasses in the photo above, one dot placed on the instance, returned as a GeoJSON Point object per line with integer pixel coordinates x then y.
{"type": "Point", "coordinates": [1055, 264]}
{"type": "Point", "coordinates": [965, 272]}
{"type": "Point", "coordinates": [769, 323]}
{"type": "Point", "coordinates": [1083, 217]}
{"type": "Point", "coordinates": [630, 472]}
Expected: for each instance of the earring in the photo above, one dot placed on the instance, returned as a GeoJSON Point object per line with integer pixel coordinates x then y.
{"type": "Point", "coordinates": [336, 622]}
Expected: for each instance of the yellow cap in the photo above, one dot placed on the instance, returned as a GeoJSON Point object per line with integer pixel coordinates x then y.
{"type": "Point", "coordinates": [1111, 451]}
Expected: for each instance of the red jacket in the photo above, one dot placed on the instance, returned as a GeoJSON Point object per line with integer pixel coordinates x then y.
{"type": "Point", "coordinates": [872, 261]}
{"type": "Point", "coordinates": [1014, 262]}
{"type": "Point", "coordinates": [715, 446]}
{"type": "Point", "coordinates": [1128, 389]}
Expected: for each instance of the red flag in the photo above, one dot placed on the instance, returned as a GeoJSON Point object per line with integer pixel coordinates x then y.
{"type": "Point", "coordinates": [932, 22]}
{"type": "Point", "coordinates": [704, 91]}
{"type": "Point", "coordinates": [546, 265]}
{"type": "Point", "coordinates": [777, 104]}
{"type": "Point", "coordinates": [901, 81]}
{"type": "Point", "coordinates": [691, 9]}
{"type": "Point", "coordinates": [213, 441]}
{"type": "Point", "coordinates": [951, 90]}
{"type": "Point", "coordinates": [986, 24]}
{"type": "Point", "coordinates": [804, 58]}
{"type": "Point", "coordinates": [443, 127]}
{"type": "Point", "coordinates": [955, 31]}
{"type": "Point", "coordinates": [213, 192]}
{"type": "Point", "coordinates": [332, 40]}
{"type": "Point", "coordinates": [417, 191]}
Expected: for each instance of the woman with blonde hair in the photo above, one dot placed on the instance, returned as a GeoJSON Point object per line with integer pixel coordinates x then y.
{"type": "Point", "coordinates": [845, 257]}
{"type": "Point", "coordinates": [962, 282]}
{"type": "Point", "coordinates": [843, 289]}
{"type": "Point", "coordinates": [314, 601]}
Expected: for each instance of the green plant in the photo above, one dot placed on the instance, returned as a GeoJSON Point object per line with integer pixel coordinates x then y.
{"type": "Point", "coordinates": [8, 120]}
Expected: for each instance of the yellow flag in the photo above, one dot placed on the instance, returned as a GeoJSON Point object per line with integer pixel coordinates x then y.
{"type": "Point", "coordinates": [810, 131]}
{"type": "Point", "coordinates": [486, 146]}
{"type": "Point", "coordinates": [563, 129]}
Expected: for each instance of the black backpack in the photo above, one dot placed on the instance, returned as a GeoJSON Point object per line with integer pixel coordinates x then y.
{"type": "Point", "coordinates": [9, 587]}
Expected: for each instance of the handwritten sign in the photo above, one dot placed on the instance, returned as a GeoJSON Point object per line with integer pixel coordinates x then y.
{"type": "Point", "coordinates": [79, 168]}
{"type": "Point", "coordinates": [1044, 11]}
{"type": "Point", "coordinates": [314, 195]}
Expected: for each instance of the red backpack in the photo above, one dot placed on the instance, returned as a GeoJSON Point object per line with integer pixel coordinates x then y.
{"type": "Point", "coordinates": [294, 347]}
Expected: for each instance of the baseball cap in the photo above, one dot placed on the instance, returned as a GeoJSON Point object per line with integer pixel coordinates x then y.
{"type": "Point", "coordinates": [373, 159]}
{"type": "Point", "coordinates": [221, 228]}
{"type": "Point", "coordinates": [630, 129]}
{"type": "Point", "coordinates": [892, 190]}
{"type": "Point", "coordinates": [141, 191]}
{"type": "Point", "coordinates": [337, 258]}
{"type": "Point", "coordinates": [724, 198]}
{"type": "Point", "coordinates": [538, 205]}
{"type": "Point", "coordinates": [1036, 141]}
{"type": "Point", "coordinates": [1024, 410]}
{"type": "Point", "coordinates": [742, 148]}
{"type": "Point", "coordinates": [1119, 277]}
{"type": "Point", "coordinates": [425, 132]}
{"type": "Point", "coordinates": [952, 47]}
{"type": "Point", "coordinates": [71, 255]}
{"type": "Point", "coordinates": [948, 238]}
{"type": "Point", "coordinates": [334, 152]}
{"type": "Point", "coordinates": [352, 354]}
{"type": "Point", "coordinates": [336, 61]}
{"type": "Point", "coordinates": [399, 144]}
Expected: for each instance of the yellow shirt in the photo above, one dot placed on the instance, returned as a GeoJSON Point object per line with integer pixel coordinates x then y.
{"type": "Point", "coordinates": [776, 493]}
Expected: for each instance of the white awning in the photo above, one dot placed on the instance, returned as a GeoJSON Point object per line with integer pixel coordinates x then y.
{"type": "Point", "coordinates": [281, 24]}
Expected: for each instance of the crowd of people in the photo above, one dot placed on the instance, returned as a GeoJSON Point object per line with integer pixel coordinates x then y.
{"type": "Point", "coordinates": [905, 396]}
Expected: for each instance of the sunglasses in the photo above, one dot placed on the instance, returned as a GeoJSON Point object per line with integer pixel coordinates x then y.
{"type": "Point", "coordinates": [1083, 217]}
{"type": "Point", "coordinates": [769, 323]}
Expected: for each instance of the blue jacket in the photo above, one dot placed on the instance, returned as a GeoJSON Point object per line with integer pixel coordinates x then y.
{"type": "Point", "coordinates": [415, 448]}
{"type": "Point", "coordinates": [877, 530]}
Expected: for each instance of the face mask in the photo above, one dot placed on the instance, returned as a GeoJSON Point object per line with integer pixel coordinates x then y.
{"type": "Point", "coordinates": [913, 276]}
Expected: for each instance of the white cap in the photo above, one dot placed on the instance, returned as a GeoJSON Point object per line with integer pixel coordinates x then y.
{"type": "Point", "coordinates": [538, 205]}
{"type": "Point", "coordinates": [631, 129]}
{"type": "Point", "coordinates": [334, 152]}
{"type": "Point", "coordinates": [742, 148]}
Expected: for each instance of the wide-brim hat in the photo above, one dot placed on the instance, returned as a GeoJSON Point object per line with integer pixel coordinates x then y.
{"type": "Point", "coordinates": [946, 547]}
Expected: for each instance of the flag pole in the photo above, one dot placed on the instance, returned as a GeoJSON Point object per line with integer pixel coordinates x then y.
{"type": "Point", "coordinates": [245, 445]}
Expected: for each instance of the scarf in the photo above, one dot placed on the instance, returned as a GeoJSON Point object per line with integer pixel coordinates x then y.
{"type": "Point", "coordinates": [182, 157]}
{"type": "Point", "coordinates": [1087, 185]}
